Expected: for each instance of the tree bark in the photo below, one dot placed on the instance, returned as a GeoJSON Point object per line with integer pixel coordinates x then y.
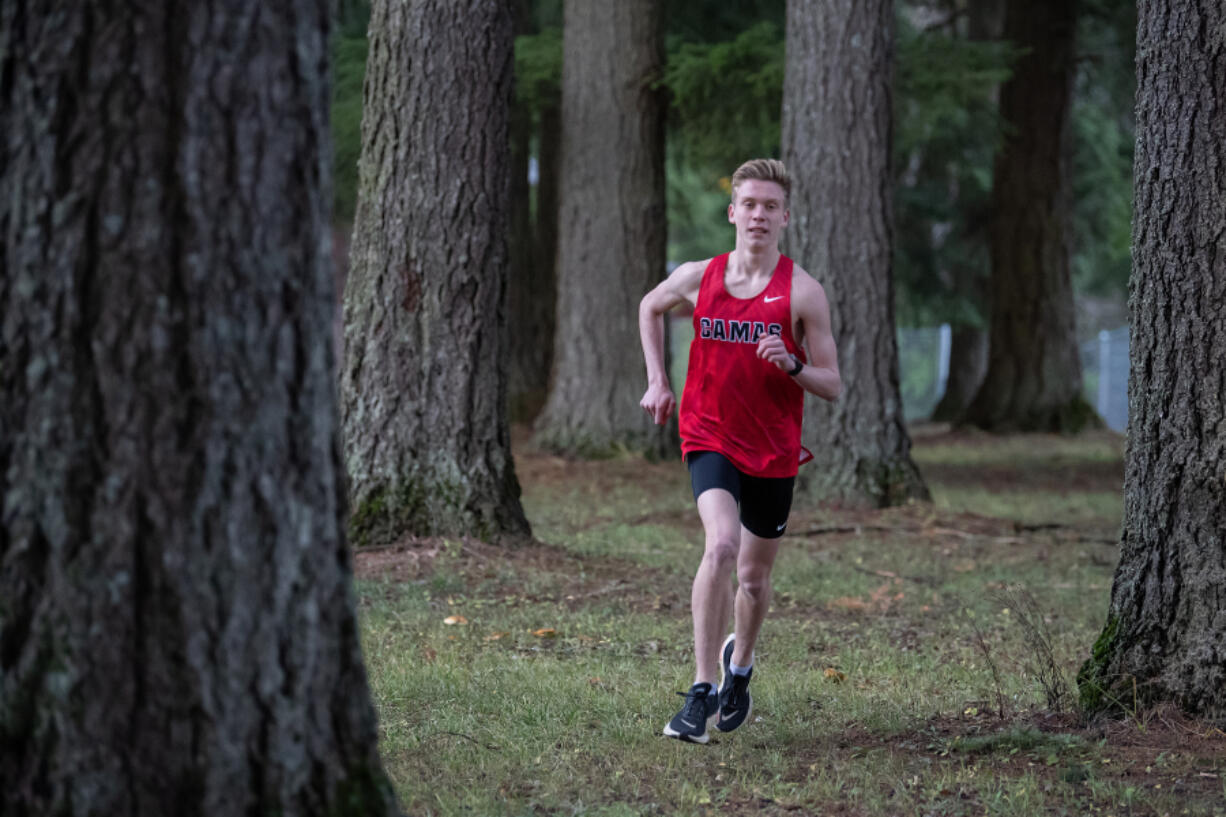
{"type": "Point", "coordinates": [968, 359]}
{"type": "Point", "coordinates": [427, 442]}
{"type": "Point", "coordinates": [1164, 639]}
{"type": "Point", "coordinates": [836, 140]}
{"type": "Point", "coordinates": [1033, 381]}
{"type": "Point", "coordinates": [612, 238]}
{"type": "Point", "coordinates": [177, 625]}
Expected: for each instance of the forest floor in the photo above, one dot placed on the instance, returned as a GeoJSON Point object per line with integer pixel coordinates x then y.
{"type": "Point", "coordinates": [917, 660]}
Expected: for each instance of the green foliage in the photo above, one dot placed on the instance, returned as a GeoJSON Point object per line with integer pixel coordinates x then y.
{"type": "Point", "coordinates": [1104, 135]}
{"type": "Point", "coordinates": [943, 92]}
{"type": "Point", "coordinates": [697, 210]}
{"type": "Point", "coordinates": [727, 97]}
{"type": "Point", "coordinates": [348, 73]}
{"type": "Point", "coordinates": [538, 69]}
{"type": "Point", "coordinates": [947, 128]}
{"type": "Point", "coordinates": [703, 21]}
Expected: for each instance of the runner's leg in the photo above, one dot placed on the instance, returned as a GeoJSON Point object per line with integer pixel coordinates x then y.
{"type": "Point", "coordinates": [753, 593]}
{"type": "Point", "coordinates": [711, 596]}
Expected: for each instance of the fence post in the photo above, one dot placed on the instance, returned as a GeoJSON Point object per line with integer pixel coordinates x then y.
{"type": "Point", "coordinates": [946, 336]}
{"type": "Point", "coordinates": [1104, 372]}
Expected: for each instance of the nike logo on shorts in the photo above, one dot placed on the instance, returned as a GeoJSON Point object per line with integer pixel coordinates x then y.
{"type": "Point", "coordinates": [769, 300]}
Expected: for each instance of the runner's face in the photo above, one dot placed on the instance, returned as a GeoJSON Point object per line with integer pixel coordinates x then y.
{"type": "Point", "coordinates": [759, 212]}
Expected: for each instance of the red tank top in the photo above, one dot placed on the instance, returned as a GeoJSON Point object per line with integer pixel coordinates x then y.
{"type": "Point", "coordinates": [734, 402]}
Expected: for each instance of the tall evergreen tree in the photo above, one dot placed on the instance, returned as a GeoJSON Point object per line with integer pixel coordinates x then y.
{"type": "Point", "coordinates": [836, 140]}
{"type": "Point", "coordinates": [1164, 639]}
{"type": "Point", "coordinates": [177, 627]}
{"type": "Point", "coordinates": [1033, 379]}
{"type": "Point", "coordinates": [427, 441]}
{"type": "Point", "coordinates": [532, 290]}
{"type": "Point", "coordinates": [968, 352]}
{"type": "Point", "coordinates": [612, 230]}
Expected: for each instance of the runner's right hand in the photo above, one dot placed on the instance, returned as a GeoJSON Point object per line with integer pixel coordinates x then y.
{"type": "Point", "coordinates": [658, 401]}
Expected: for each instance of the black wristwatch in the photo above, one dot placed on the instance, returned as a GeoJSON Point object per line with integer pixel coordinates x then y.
{"type": "Point", "coordinates": [799, 366]}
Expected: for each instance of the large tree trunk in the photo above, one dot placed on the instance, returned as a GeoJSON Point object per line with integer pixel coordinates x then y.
{"type": "Point", "coordinates": [836, 140]}
{"type": "Point", "coordinates": [612, 239]}
{"type": "Point", "coordinates": [1165, 628]}
{"type": "Point", "coordinates": [1033, 381]}
{"type": "Point", "coordinates": [426, 436]}
{"type": "Point", "coordinates": [177, 627]}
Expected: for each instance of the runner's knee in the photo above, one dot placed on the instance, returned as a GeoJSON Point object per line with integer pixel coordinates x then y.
{"type": "Point", "coordinates": [721, 552]}
{"type": "Point", "coordinates": [754, 580]}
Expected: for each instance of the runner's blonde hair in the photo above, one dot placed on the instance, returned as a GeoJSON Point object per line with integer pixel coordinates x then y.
{"type": "Point", "coordinates": [766, 170]}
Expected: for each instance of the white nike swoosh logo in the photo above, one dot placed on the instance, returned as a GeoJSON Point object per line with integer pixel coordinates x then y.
{"type": "Point", "coordinates": [687, 723]}
{"type": "Point", "coordinates": [768, 300]}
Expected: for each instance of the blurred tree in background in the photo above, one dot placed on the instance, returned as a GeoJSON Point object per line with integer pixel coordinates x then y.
{"type": "Point", "coordinates": [1033, 378]}
{"type": "Point", "coordinates": [612, 227]}
{"type": "Point", "coordinates": [536, 116]}
{"type": "Point", "coordinates": [837, 130]}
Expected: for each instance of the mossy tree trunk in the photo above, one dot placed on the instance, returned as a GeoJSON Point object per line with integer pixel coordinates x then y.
{"type": "Point", "coordinates": [836, 141]}
{"type": "Point", "coordinates": [427, 442]}
{"type": "Point", "coordinates": [177, 624]}
{"type": "Point", "coordinates": [612, 227]}
{"type": "Point", "coordinates": [1033, 379]}
{"type": "Point", "coordinates": [1165, 638]}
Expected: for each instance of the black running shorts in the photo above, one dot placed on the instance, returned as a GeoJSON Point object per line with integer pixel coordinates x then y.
{"type": "Point", "coordinates": [764, 502]}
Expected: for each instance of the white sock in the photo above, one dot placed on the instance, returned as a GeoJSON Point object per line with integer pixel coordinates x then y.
{"type": "Point", "coordinates": [736, 669]}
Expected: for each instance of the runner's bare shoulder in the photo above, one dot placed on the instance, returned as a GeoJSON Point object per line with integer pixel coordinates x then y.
{"type": "Point", "coordinates": [805, 288]}
{"type": "Point", "coordinates": [686, 279]}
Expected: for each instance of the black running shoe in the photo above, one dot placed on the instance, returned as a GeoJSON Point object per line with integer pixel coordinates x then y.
{"type": "Point", "coordinates": [700, 711]}
{"type": "Point", "coordinates": [735, 704]}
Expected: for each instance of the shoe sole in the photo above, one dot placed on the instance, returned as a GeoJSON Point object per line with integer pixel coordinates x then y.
{"type": "Point", "coordinates": [703, 738]}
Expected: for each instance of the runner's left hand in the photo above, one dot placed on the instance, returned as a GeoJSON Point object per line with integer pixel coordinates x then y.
{"type": "Point", "coordinates": [772, 350]}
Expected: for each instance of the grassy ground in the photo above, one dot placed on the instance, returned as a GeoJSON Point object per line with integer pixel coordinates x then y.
{"type": "Point", "coordinates": [896, 673]}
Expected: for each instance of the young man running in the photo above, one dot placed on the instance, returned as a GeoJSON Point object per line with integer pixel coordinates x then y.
{"type": "Point", "coordinates": [761, 340]}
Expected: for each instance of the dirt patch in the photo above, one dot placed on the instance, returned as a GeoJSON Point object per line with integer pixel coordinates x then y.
{"type": "Point", "coordinates": [558, 575]}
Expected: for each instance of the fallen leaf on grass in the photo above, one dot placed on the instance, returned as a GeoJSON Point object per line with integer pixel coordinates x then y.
{"type": "Point", "coordinates": [545, 632]}
{"type": "Point", "coordinates": [496, 636]}
{"type": "Point", "coordinates": [429, 655]}
{"type": "Point", "coordinates": [833, 675]}
{"type": "Point", "coordinates": [455, 620]}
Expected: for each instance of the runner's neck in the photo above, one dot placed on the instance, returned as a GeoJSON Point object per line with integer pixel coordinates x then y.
{"type": "Point", "coordinates": [753, 265]}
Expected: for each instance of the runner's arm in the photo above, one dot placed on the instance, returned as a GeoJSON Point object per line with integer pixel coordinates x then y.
{"type": "Point", "coordinates": [682, 285]}
{"type": "Point", "coordinates": [820, 375]}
